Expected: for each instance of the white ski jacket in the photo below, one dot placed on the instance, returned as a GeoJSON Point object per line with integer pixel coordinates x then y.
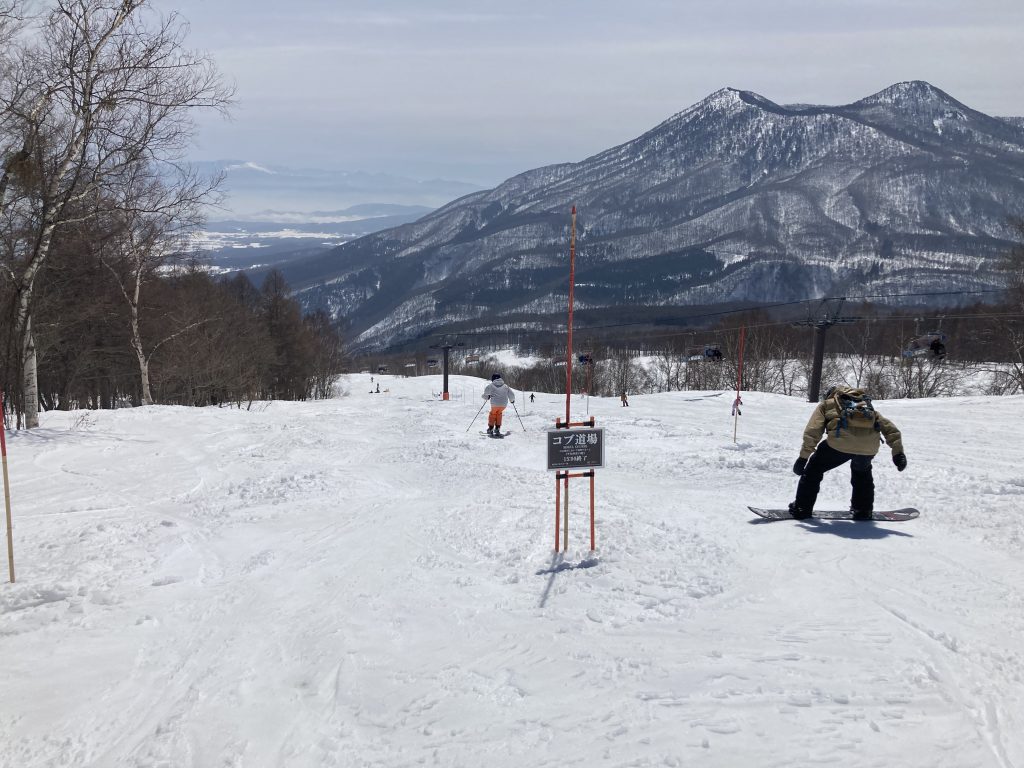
{"type": "Point", "coordinates": [499, 393]}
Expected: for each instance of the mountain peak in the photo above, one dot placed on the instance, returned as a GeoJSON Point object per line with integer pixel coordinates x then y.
{"type": "Point", "coordinates": [908, 91]}
{"type": "Point", "coordinates": [726, 101]}
{"type": "Point", "coordinates": [722, 98]}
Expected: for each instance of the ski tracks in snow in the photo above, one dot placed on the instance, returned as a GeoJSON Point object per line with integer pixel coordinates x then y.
{"type": "Point", "coordinates": [359, 582]}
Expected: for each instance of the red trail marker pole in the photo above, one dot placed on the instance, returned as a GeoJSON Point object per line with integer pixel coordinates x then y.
{"type": "Point", "coordinates": [568, 346]}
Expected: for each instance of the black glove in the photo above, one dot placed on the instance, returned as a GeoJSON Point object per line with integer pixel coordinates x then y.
{"type": "Point", "coordinates": [900, 460]}
{"type": "Point", "coordinates": [798, 466]}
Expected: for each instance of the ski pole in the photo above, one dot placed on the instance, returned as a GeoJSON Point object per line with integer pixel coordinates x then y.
{"type": "Point", "coordinates": [477, 414]}
{"type": "Point", "coordinates": [517, 414]}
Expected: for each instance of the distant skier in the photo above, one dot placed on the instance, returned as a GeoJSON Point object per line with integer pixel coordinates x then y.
{"type": "Point", "coordinates": [531, 397]}
{"type": "Point", "coordinates": [853, 430]}
{"type": "Point", "coordinates": [624, 399]}
{"type": "Point", "coordinates": [378, 388]}
{"type": "Point", "coordinates": [500, 396]}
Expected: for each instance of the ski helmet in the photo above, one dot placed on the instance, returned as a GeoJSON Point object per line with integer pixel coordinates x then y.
{"type": "Point", "coordinates": [495, 376]}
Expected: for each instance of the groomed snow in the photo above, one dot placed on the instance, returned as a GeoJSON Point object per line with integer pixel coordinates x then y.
{"type": "Point", "coordinates": [362, 582]}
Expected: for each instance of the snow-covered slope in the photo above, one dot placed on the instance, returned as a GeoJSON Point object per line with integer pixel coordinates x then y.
{"type": "Point", "coordinates": [365, 582]}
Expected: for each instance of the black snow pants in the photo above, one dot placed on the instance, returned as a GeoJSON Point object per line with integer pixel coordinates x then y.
{"type": "Point", "coordinates": [824, 458]}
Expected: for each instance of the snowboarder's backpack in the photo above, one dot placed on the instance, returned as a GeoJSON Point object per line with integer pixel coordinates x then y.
{"type": "Point", "coordinates": [847, 408]}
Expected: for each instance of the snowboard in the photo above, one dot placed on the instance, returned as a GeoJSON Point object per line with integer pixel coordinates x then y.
{"type": "Point", "coordinates": [880, 515]}
{"type": "Point", "coordinates": [499, 435]}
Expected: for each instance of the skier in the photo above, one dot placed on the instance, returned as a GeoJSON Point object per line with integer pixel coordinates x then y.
{"type": "Point", "coordinates": [531, 397]}
{"type": "Point", "coordinates": [624, 399]}
{"type": "Point", "coordinates": [849, 436]}
{"type": "Point", "coordinates": [500, 396]}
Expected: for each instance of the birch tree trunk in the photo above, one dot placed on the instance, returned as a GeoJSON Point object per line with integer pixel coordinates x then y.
{"type": "Point", "coordinates": [147, 394]}
{"type": "Point", "coordinates": [30, 377]}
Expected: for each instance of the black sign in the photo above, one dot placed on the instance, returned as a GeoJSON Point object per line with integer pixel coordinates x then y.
{"type": "Point", "coordinates": [575, 448]}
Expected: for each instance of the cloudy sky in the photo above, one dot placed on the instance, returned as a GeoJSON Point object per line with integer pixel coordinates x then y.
{"type": "Point", "coordinates": [478, 90]}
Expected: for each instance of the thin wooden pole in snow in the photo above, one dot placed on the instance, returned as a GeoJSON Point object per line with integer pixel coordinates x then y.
{"type": "Point", "coordinates": [739, 385]}
{"type": "Point", "coordinates": [7, 493]}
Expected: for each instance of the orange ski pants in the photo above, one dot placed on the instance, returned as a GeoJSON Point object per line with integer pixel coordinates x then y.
{"type": "Point", "coordinates": [494, 417]}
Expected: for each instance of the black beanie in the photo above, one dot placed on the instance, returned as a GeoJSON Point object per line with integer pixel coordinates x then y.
{"type": "Point", "coordinates": [495, 376]}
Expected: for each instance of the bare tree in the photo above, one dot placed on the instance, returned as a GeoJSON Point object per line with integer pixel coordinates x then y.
{"type": "Point", "coordinates": [152, 220]}
{"type": "Point", "coordinates": [328, 356]}
{"type": "Point", "coordinates": [1009, 379]}
{"type": "Point", "coordinates": [670, 364]}
{"type": "Point", "coordinates": [1012, 267]}
{"type": "Point", "coordinates": [621, 375]}
{"type": "Point", "coordinates": [96, 92]}
{"type": "Point", "coordinates": [917, 377]}
{"type": "Point", "coordinates": [12, 16]}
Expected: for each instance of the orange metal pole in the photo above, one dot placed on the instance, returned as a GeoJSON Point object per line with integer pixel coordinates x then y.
{"type": "Point", "coordinates": [572, 287]}
{"type": "Point", "coordinates": [592, 546]}
{"type": "Point", "coordinates": [565, 516]}
{"type": "Point", "coordinates": [558, 506]}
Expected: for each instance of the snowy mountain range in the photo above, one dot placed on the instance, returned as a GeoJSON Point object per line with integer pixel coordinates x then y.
{"type": "Point", "coordinates": [251, 188]}
{"type": "Point", "coordinates": [735, 199]}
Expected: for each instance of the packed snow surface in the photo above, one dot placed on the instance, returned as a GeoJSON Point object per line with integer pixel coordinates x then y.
{"type": "Point", "coordinates": [369, 581]}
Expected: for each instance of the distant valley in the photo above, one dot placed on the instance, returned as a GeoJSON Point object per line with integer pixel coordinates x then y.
{"type": "Point", "coordinates": [275, 214]}
{"type": "Point", "coordinates": [277, 237]}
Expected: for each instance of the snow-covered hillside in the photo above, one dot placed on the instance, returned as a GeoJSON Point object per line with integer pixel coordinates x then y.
{"type": "Point", "coordinates": [736, 198]}
{"type": "Point", "coordinates": [364, 582]}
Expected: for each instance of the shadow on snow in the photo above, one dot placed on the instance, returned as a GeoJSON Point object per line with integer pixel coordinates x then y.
{"type": "Point", "coordinates": [847, 529]}
{"type": "Point", "coordinates": [557, 566]}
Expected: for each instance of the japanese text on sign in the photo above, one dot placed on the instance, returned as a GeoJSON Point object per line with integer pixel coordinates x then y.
{"type": "Point", "coordinates": [575, 449]}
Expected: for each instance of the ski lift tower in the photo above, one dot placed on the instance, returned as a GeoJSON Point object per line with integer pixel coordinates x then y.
{"type": "Point", "coordinates": [824, 317]}
{"type": "Point", "coordinates": [447, 346]}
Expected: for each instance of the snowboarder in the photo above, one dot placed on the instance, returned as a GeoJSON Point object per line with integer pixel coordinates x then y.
{"type": "Point", "coordinates": [624, 399]}
{"type": "Point", "coordinates": [378, 388]}
{"type": "Point", "coordinates": [500, 396]}
{"type": "Point", "coordinates": [853, 432]}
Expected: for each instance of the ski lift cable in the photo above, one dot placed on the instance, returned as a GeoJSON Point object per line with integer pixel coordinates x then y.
{"type": "Point", "coordinates": [750, 326]}
{"type": "Point", "coordinates": [669, 334]}
{"type": "Point", "coordinates": [763, 307]}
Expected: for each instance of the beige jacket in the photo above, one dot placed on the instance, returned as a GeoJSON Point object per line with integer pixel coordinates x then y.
{"type": "Point", "coordinates": [856, 440]}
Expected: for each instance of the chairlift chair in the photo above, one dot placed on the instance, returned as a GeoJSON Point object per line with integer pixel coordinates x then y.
{"type": "Point", "coordinates": [704, 353]}
{"type": "Point", "coordinates": [932, 344]}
